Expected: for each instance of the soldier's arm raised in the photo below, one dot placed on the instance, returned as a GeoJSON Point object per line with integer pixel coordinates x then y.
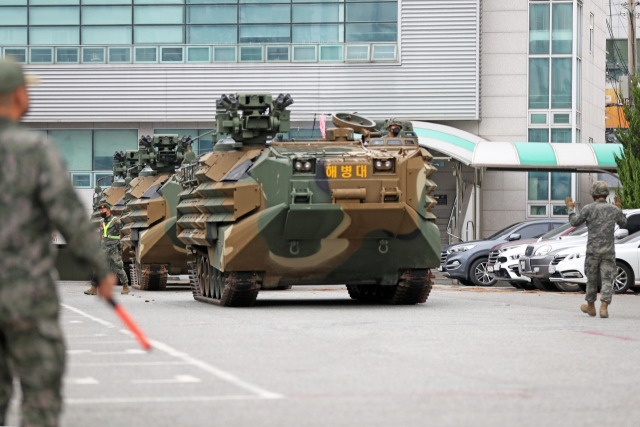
{"type": "Point", "coordinates": [576, 220]}
{"type": "Point", "coordinates": [622, 220]}
{"type": "Point", "coordinates": [64, 210]}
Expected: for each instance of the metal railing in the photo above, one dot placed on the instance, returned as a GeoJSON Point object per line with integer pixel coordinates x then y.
{"type": "Point", "coordinates": [451, 225]}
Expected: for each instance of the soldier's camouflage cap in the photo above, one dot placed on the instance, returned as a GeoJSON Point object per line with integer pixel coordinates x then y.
{"type": "Point", "coordinates": [105, 205]}
{"type": "Point", "coordinates": [394, 122]}
{"type": "Point", "coordinates": [599, 189]}
{"type": "Point", "coordinates": [12, 77]}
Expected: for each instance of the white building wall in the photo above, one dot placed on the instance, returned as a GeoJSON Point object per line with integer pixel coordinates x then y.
{"type": "Point", "coordinates": [594, 72]}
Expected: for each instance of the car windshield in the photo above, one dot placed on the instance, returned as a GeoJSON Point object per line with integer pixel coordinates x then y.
{"type": "Point", "coordinates": [556, 231]}
{"type": "Point", "coordinates": [504, 231]}
{"type": "Point", "coordinates": [630, 238]}
{"type": "Point", "coordinates": [581, 230]}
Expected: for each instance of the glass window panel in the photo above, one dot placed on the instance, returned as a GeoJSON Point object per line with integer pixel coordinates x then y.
{"type": "Point", "coordinates": [538, 186]}
{"type": "Point", "coordinates": [67, 55]}
{"type": "Point", "coordinates": [212, 14]}
{"type": "Point", "coordinates": [106, 15]}
{"type": "Point", "coordinates": [211, 1]}
{"type": "Point", "coordinates": [256, 14]}
{"type": "Point", "coordinates": [538, 135]}
{"type": "Point", "coordinates": [384, 52]}
{"type": "Point", "coordinates": [107, 2]}
{"type": "Point", "coordinates": [13, 2]}
{"type": "Point", "coordinates": [331, 53]}
{"type": "Point", "coordinates": [42, 55]}
{"type": "Point", "coordinates": [277, 53]}
{"type": "Point", "coordinates": [158, 1]}
{"type": "Point", "coordinates": [54, 16]}
{"type": "Point", "coordinates": [13, 35]}
{"type": "Point", "coordinates": [265, 1]}
{"type": "Point", "coordinates": [224, 54]}
{"type": "Point", "coordinates": [17, 54]}
{"type": "Point", "coordinates": [54, 35]}
{"type": "Point", "coordinates": [538, 210]}
{"type": "Point", "coordinates": [357, 53]}
{"type": "Point", "coordinates": [560, 210]}
{"type": "Point", "coordinates": [93, 55]}
{"type": "Point", "coordinates": [538, 83]}
{"type": "Point", "coordinates": [52, 2]}
{"type": "Point", "coordinates": [250, 53]}
{"type": "Point", "coordinates": [106, 35]}
{"type": "Point", "coordinates": [561, 119]}
{"type": "Point", "coordinates": [318, 1]}
{"type": "Point", "coordinates": [372, 32]}
{"type": "Point", "coordinates": [562, 37]}
{"type": "Point", "coordinates": [205, 143]}
{"type": "Point", "coordinates": [315, 13]}
{"type": "Point", "coordinates": [539, 119]}
{"type": "Point", "coordinates": [219, 34]}
{"type": "Point", "coordinates": [119, 54]}
{"type": "Point", "coordinates": [171, 54]}
{"type": "Point", "coordinates": [158, 15]}
{"type": "Point", "coordinates": [146, 54]}
{"type": "Point", "coordinates": [317, 33]}
{"type": "Point", "coordinates": [372, 12]}
{"type": "Point", "coordinates": [560, 135]}
{"type": "Point", "coordinates": [13, 16]}
{"type": "Point", "coordinates": [81, 180]}
{"type": "Point", "coordinates": [106, 142]}
{"type": "Point", "coordinates": [561, 83]}
{"type": "Point", "coordinates": [75, 148]}
{"type": "Point", "coordinates": [265, 33]}
{"type": "Point", "coordinates": [198, 54]}
{"type": "Point", "coordinates": [159, 34]}
{"type": "Point", "coordinates": [304, 53]}
{"type": "Point", "coordinates": [560, 185]}
{"type": "Point", "coordinates": [539, 18]}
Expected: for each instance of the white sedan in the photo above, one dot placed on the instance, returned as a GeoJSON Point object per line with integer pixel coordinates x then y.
{"type": "Point", "coordinates": [571, 268]}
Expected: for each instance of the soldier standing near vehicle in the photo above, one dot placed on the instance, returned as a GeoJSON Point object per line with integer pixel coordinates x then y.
{"type": "Point", "coordinates": [395, 127]}
{"type": "Point", "coordinates": [110, 227]}
{"type": "Point", "coordinates": [36, 198]}
{"type": "Point", "coordinates": [600, 262]}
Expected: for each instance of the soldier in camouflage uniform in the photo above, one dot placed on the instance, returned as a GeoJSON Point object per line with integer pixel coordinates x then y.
{"type": "Point", "coordinates": [36, 198]}
{"type": "Point", "coordinates": [395, 127]}
{"type": "Point", "coordinates": [600, 262]}
{"type": "Point", "coordinates": [110, 227]}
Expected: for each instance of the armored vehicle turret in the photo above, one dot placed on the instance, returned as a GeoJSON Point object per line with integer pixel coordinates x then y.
{"type": "Point", "coordinates": [261, 211]}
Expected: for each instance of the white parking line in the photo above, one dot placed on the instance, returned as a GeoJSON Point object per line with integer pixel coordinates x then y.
{"type": "Point", "coordinates": [219, 373]}
{"type": "Point", "coordinates": [138, 364]}
{"type": "Point", "coordinates": [107, 353]}
{"type": "Point", "coordinates": [82, 381]}
{"type": "Point", "coordinates": [178, 379]}
{"type": "Point", "coordinates": [167, 399]}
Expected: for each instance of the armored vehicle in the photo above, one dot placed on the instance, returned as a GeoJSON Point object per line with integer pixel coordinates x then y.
{"type": "Point", "coordinates": [261, 211]}
{"type": "Point", "coordinates": [149, 217]}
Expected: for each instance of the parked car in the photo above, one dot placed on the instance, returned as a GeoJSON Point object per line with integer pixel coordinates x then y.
{"type": "Point", "coordinates": [467, 261]}
{"type": "Point", "coordinates": [570, 268]}
{"type": "Point", "coordinates": [503, 258]}
{"type": "Point", "coordinates": [539, 257]}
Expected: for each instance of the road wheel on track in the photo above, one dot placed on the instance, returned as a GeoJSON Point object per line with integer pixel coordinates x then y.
{"type": "Point", "coordinates": [229, 289]}
{"type": "Point", "coordinates": [411, 289]}
{"type": "Point", "coordinates": [479, 273]}
{"type": "Point", "coordinates": [567, 287]}
{"type": "Point", "coordinates": [623, 279]}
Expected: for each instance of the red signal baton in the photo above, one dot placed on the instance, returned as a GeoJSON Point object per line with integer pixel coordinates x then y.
{"type": "Point", "coordinates": [131, 324]}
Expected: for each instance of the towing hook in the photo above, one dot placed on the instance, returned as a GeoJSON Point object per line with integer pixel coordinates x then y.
{"type": "Point", "coordinates": [294, 247]}
{"type": "Point", "coordinates": [383, 248]}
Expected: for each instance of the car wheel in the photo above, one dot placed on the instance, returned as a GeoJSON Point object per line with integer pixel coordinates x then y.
{"type": "Point", "coordinates": [567, 287]}
{"type": "Point", "coordinates": [623, 279]}
{"type": "Point", "coordinates": [543, 285]}
{"type": "Point", "coordinates": [480, 276]}
{"type": "Point", "coordinates": [465, 282]}
{"type": "Point", "coordinates": [515, 285]}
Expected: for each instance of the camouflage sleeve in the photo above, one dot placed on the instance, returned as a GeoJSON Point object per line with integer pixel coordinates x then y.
{"type": "Point", "coordinates": [576, 220]}
{"type": "Point", "coordinates": [622, 220]}
{"type": "Point", "coordinates": [65, 211]}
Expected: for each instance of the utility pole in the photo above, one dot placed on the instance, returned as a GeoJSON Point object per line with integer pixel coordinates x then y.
{"type": "Point", "coordinates": [633, 53]}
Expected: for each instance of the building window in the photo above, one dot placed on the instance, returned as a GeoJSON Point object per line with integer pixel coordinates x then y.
{"type": "Point", "coordinates": [88, 153]}
{"type": "Point", "coordinates": [591, 37]}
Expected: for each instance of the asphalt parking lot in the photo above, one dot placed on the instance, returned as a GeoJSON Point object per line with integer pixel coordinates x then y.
{"type": "Point", "coordinates": [313, 357]}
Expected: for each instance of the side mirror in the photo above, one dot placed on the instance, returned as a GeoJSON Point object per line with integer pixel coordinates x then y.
{"type": "Point", "coordinates": [514, 236]}
{"type": "Point", "coordinates": [621, 233]}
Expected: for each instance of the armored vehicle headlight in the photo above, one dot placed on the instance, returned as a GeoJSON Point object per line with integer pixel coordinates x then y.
{"type": "Point", "coordinates": [383, 165]}
{"type": "Point", "coordinates": [303, 165]}
{"type": "Point", "coordinates": [543, 250]}
{"type": "Point", "coordinates": [298, 166]}
{"type": "Point", "coordinates": [378, 164]}
{"type": "Point", "coordinates": [387, 164]}
{"type": "Point", "coordinates": [307, 165]}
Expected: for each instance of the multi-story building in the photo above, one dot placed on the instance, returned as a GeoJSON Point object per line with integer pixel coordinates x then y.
{"type": "Point", "coordinates": [502, 70]}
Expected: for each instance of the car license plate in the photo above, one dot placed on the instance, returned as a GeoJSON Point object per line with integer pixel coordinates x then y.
{"type": "Point", "coordinates": [497, 267]}
{"type": "Point", "coordinates": [522, 265]}
{"type": "Point", "coordinates": [490, 269]}
{"type": "Point", "coordinates": [552, 269]}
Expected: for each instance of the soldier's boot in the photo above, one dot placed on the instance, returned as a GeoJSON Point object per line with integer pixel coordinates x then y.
{"type": "Point", "coordinates": [125, 289]}
{"type": "Point", "coordinates": [589, 308]}
{"type": "Point", "coordinates": [603, 309]}
{"type": "Point", "coordinates": [92, 291]}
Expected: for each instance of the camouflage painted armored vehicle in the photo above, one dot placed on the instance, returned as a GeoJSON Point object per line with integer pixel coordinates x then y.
{"type": "Point", "coordinates": [259, 215]}
{"type": "Point", "coordinates": [114, 195]}
{"type": "Point", "coordinates": [150, 215]}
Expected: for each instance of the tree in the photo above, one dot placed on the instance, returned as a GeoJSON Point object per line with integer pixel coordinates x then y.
{"type": "Point", "coordinates": [628, 163]}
